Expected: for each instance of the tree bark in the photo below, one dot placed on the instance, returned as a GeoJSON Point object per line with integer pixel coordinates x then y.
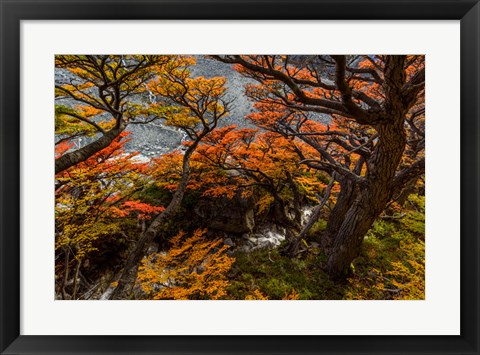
{"type": "Point", "coordinates": [365, 203]}
{"type": "Point", "coordinates": [292, 247]}
{"type": "Point", "coordinates": [130, 271]}
{"type": "Point", "coordinates": [345, 199]}
{"type": "Point", "coordinates": [296, 199]}
{"type": "Point", "coordinates": [359, 206]}
{"type": "Point", "coordinates": [80, 155]}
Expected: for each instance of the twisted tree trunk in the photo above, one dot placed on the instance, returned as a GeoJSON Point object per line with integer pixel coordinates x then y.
{"type": "Point", "coordinates": [355, 213]}
{"type": "Point", "coordinates": [130, 271]}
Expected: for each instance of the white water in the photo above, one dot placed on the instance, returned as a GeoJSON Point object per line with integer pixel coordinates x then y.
{"type": "Point", "coordinates": [268, 237]}
{"type": "Point", "coordinates": [272, 236]}
{"type": "Point", "coordinates": [151, 96]}
{"type": "Point", "coordinates": [307, 212]}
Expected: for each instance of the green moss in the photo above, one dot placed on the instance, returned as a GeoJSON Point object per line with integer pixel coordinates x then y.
{"type": "Point", "coordinates": [276, 276]}
{"type": "Point", "coordinates": [393, 251]}
{"type": "Point", "coordinates": [317, 228]}
{"type": "Point", "coordinates": [387, 246]}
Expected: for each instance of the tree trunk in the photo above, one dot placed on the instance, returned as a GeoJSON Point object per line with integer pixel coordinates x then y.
{"type": "Point", "coordinates": [409, 188]}
{"type": "Point", "coordinates": [80, 155]}
{"type": "Point", "coordinates": [297, 197]}
{"type": "Point", "coordinates": [130, 271]}
{"type": "Point", "coordinates": [361, 205]}
{"type": "Point", "coordinates": [345, 200]}
{"type": "Point", "coordinates": [280, 216]}
{"type": "Point", "coordinates": [293, 245]}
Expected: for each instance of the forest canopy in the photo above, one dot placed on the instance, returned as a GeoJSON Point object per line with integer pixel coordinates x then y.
{"type": "Point", "coordinates": [239, 177]}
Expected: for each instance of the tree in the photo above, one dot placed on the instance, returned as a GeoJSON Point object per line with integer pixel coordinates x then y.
{"type": "Point", "coordinates": [360, 114]}
{"type": "Point", "coordinates": [263, 160]}
{"type": "Point", "coordinates": [198, 104]}
{"type": "Point", "coordinates": [93, 199]}
{"type": "Point", "coordinates": [101, 85]}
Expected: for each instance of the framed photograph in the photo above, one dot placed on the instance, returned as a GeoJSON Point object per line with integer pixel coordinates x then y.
{"type": "Point", "coordinates": [239, 177]}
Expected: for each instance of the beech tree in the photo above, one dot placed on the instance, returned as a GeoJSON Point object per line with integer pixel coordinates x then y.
{"type": "Point", "coordinates": [92, 201]}
{"type": "Point", "coordinates": [363, 115]}
{"type": "Point", "coordinates": [267, 161]}
{"type": "Point", "coordinates": [197, 106]}
{"type": "Point", "coordinates": [101, 84]}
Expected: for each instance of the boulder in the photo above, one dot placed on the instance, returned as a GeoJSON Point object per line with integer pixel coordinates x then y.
{"type": "Point", "coordinates": [229, 242]}
{"type": "Point", "coordinates": [234, 215]}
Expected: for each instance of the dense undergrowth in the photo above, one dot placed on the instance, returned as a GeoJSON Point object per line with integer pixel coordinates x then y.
{"type": "Point", "coordinates": [390, 266]}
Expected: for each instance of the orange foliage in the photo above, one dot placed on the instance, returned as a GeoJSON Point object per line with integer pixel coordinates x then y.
{"type": "Point", "coordinates": [193, 268]}
{"type": "Point", "coordinates": [93, 196]}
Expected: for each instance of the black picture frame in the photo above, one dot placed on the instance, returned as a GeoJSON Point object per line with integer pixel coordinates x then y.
{"type": "Point", "coordinates": [12, 12]}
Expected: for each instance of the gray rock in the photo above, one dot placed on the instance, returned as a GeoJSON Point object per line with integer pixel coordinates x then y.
{"type": "Point", "coordinates": [228, 215]}
{"type": "Point", "coordinates": [154, 139]}
{"type": "Point", "coordinates": [229, 242]}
